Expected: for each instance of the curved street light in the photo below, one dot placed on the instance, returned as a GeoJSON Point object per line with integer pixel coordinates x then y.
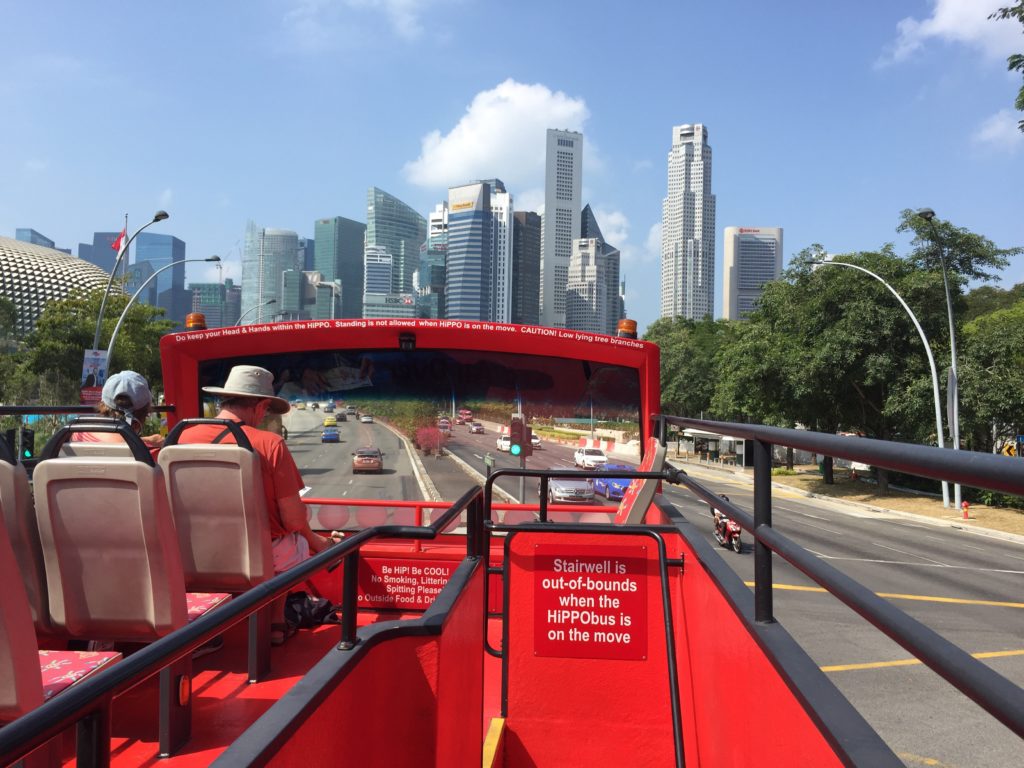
{"type": "Point", "coordinates": [158, 216]}
{"type": "Point", "coordinates": [266, 303]}
{"type": "Point", "coordinates": [954, 381]}
{"type": "Point", "coordinates": [148, 280]}
{"type": "Point", "coordinates": [927, 349]}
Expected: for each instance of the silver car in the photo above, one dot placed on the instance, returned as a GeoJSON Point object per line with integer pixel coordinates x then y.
{"type": "Point", "coordinates": [569, 490]}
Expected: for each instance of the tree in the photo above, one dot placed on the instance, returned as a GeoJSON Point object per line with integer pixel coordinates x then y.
{"type": "Point", "coordinates": [993, 393]}
{"type": "Point", "coordinates": [968, 256]}
{"type": "Point", "coordinates": [688, 369]}
{"type": "Point", "coordinates": [51, 364]}
{"type": "Point", "coordinates": [1015, 63]}
{"type": "Point", "coordinates": [986, 299]}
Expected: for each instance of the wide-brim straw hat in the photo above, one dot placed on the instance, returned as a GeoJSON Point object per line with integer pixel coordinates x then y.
{"type": "Point", "coordinates": [251, 381]}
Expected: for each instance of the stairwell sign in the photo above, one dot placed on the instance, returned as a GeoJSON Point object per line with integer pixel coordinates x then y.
{"type": "Point", "coordinates": [590, 602]}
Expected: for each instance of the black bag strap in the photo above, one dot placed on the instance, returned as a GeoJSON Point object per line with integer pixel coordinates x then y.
{"type": "Point", "coordinates": [230, 425]}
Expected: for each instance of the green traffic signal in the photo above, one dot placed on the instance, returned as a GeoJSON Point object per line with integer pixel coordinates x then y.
{"type": "Point", "coordinates": [514, 449]}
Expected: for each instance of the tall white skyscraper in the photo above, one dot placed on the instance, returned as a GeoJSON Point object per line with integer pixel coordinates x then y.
{"type": "Point", "coordinates": [560, 225]}
{"type": "Point", "coordinates": [688, 227]}
{"type": "Point", "coordinates": [753, 256]}
{"type": "Point", "coordinates": [501, 209]}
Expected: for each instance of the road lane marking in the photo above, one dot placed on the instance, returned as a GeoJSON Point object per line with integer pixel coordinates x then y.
{"type": "Point", "coordinates": [910, 757]}
{"type": "Point", "coordinates": [898, 596]}
{"type": "Point", "coordinates": [904, 552]}
{"type": "Point", "coordinates": [805, 514]}
{"type": "Point", "coordinates": [912, 662]}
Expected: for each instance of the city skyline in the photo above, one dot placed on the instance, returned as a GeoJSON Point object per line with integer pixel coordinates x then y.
{"type": "Point", "coordinates": [825, 120]}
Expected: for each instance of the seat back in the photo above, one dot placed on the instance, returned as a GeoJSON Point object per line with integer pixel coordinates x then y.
{"type": "Point", "coordinates": [113, 571]}
{"type": "Point", "coordinates": [220, 512]}
{"type": "Point", "coordinates": [21, 686]}
{"type": "Point", "coordinates": [19, 522]}
{"type": "Point", "coordinates": [95, 449]}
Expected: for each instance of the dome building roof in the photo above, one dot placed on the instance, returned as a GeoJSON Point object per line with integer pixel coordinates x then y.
{"type": "Point", "coordinates": [32, 275]}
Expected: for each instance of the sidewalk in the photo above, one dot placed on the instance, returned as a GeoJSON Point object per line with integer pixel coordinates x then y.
{"type": "Point", "coordinates": [993, 521]}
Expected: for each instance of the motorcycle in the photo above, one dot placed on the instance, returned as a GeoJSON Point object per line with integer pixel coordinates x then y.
{"type": "Point", "coordinates": [727, 530]}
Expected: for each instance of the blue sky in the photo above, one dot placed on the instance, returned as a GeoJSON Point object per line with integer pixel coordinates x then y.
{"type": "Point", "coordinates": [824, 118]}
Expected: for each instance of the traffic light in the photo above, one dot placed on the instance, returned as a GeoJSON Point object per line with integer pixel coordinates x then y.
{"type": "Point", "coordinates": [28, 443]}
{"type": "Point", "coordinates": [515, 434]}
{"type": "Point", "coordinates": [527, 441]}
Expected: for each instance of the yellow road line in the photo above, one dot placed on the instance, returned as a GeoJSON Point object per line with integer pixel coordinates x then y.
{"type": "Point", "coordinates": [909, 757]}
{"type": "Point", "coordinates": [895, 596]}
{"type": "Point", "coordinates": [912, 662]}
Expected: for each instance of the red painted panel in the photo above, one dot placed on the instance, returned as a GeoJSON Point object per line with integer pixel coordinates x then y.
{"type": "Point", "coordinates": [383, 713]}
{"type": "Point", "coordinates": [397, 583]}
{"type": "Point", "coordinates": [584, 711]}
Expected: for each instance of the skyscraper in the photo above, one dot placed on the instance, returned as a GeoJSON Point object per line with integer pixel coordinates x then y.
{"type": "Point", "coordinates": [469, 285]}
{"type": "Point", "coordinates": [563, 183]}
{"type": "Point", "coordinates": [339, 258]}
{"type": "Point", "coordinates": [501, 258]}
{"type": "Point", "coordinates": [101, 251]}
{"type": "Point", "coordinates": [268, 254]}
{"type": "Point", "coordinates": [526, 268]}
{"type": "Point", "coordinates": [27, 235]}
{"type": "Point", "coordinates": [400, 230]}
{"type": "Point", "coordinates": [592, 289]}
{"type": "Point", "coordinates": [753, 256]}
{"type": "Point", "coordinates": [161, 251]}
{"type": "Point", "coordinates": [688, 227]}
{"type": "Point", "coordinates": [217, 301]}
{"type": "Point", "coordinates": [433, 265]}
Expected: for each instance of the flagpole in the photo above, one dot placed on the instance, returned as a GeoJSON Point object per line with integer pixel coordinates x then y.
{"type": "Point", "coordinates": [158, 216]}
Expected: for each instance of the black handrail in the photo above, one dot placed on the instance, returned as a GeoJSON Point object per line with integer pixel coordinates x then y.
{"type": "Point", "coordinates": [57, 410]}
{"type": "Point", "coordinates": [991, 691]}
{"type": "Point", "coordinates": [979, 470]}
{"type": "Point", "coordinates": [33, 729]}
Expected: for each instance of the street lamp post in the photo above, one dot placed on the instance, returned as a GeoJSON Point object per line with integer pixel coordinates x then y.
{"type": "Point", "coordinates": [252, 309]}
{"type": "Point", "coordinates": [148, 280]}
{"type": "Point", "coordinates": [954, 382]}
{"type": "Point", "coordinates": [121, 253]}
{"type": "Point", "coordinates": [927, 349]}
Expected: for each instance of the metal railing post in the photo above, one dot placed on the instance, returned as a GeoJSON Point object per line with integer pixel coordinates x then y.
{"type": "Point", "coordinates": [349, 594]}
{"type": "Point", "coordinates": [763, 612]}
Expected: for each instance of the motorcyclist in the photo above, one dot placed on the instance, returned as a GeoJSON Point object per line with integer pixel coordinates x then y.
{"type": "Point", "coordinates": [720, 516]}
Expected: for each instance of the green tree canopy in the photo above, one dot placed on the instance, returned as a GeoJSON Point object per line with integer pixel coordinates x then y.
{"type": "Point", "coordinates": [688, 349]}
{"type": "Point", "coordinates": [50, 364]}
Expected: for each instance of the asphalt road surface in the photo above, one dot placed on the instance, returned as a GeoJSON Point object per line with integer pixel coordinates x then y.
{"type": "Point", "coordinates": [968, 588]}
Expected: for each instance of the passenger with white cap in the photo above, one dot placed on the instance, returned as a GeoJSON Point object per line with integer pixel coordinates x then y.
{"type": "Point", "coordinates": [246, 397]}
{"type": "Point", "coordinates": [125, 396]}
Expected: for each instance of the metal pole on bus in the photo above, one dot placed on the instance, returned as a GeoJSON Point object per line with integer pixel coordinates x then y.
{"type": "Point", "coordinates": [121, 253]}
{"type": "Point", "coordinates": [148, 280]}
{"type": "Point", "coordinates": [828, 262]}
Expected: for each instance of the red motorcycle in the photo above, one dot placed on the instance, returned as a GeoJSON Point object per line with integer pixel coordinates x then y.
{"type": "Point", "coordinates": [727, 531]}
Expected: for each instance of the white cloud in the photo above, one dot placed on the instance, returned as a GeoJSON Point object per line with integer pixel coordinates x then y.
{"type": "Point", "coordinates": [955, 21]}
{"type": "Point", "coordinates": [501, 135]}
{"type": "Point", "coordinates": [166, 197]}
{"type": "Point", "coordinates": [652, 245]}
{"type": "Point", "coordinates": [530, 200]}
{"type": "Point", "coordinates": [317, 25]}
{"type": "Point", "coordinates": [1000, 132]}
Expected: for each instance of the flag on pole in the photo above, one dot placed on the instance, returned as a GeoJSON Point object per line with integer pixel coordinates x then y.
{"type": "Point", "coordinates": [116, 245]}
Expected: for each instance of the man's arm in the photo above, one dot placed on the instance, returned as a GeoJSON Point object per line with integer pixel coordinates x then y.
{"type": "Point", "coordinates": [295, 518]}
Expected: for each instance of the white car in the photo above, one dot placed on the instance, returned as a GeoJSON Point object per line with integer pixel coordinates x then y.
{"type": "Point", "coordinates": [589, 458]}
{"type": "Point", "coordinates": [504, 442]}
{"type": "Point", "coordinates": [366, 419]}
{"type": "Point", "coordinates": [534, 440]}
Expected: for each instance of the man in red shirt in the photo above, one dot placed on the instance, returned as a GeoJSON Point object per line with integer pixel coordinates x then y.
{"type": "Point", "coordinates": [246, 397]}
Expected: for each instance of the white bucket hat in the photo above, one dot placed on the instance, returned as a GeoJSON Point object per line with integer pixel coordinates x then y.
{"type": "Point", "coordinates": [251, 381]}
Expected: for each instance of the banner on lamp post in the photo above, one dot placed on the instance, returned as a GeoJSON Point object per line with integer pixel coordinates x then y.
{"type": "Point", "coordinates": [94, 373]}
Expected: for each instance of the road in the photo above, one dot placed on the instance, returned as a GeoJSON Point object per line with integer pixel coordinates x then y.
{"type": "Point", "coordinates": [966, 587]}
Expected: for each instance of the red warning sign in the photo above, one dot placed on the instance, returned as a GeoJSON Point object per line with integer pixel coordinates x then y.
{"type": "Point", "coordinates": [590, 602]}
{"type": "Point", "coordinates": [399, 585]}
